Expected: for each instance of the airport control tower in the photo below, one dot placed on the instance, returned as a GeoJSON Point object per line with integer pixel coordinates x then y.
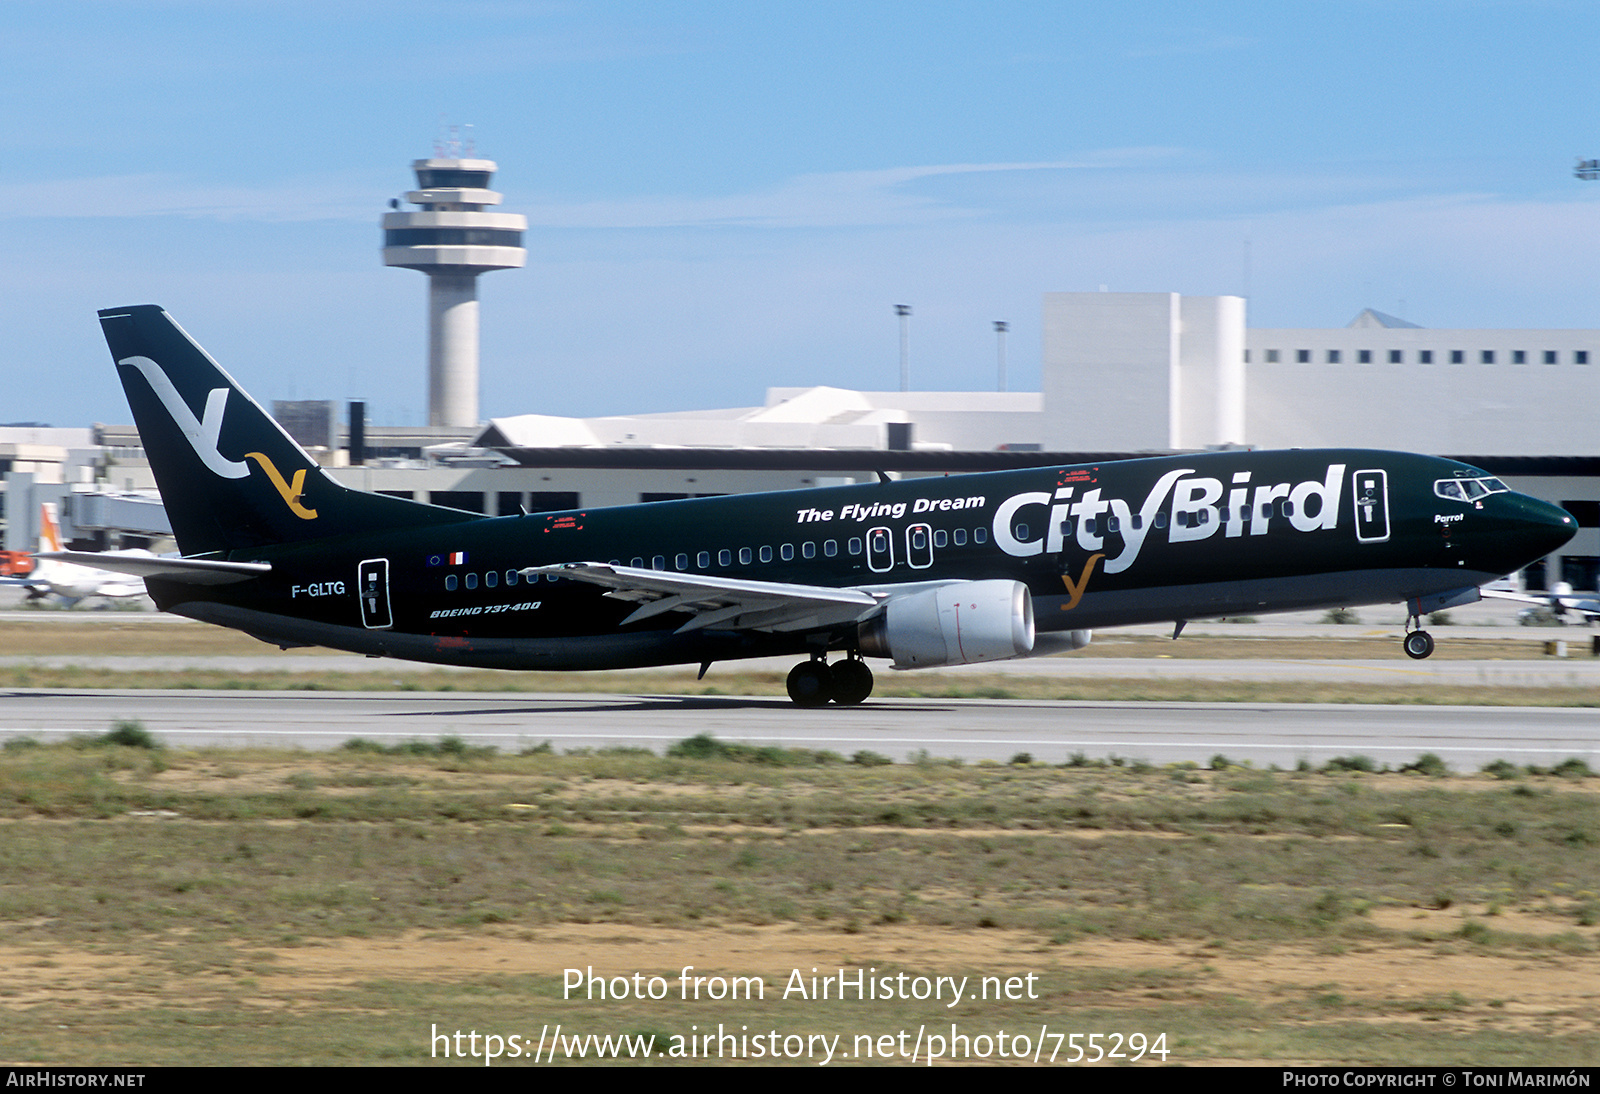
{"type": "Point", "coordinates": [453, 240]}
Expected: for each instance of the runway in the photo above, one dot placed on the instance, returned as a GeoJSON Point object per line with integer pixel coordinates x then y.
{"type": "Point", "coordinates": [966, 729]}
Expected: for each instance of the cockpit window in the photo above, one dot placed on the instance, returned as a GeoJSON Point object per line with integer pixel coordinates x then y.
{"type": "Point", "coordinates": [1469, 489]}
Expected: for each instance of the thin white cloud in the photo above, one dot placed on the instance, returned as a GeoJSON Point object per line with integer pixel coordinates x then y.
{"type": "Point", "coordinates": [826, 200]}
{"type": "Point", "coordinates": [879, 197]}
{"type": "Point", "coordinates": [875, 198]}
{"type": "Point", "coordinates": [1199, 44]}
{"type": "Point", "coordinates": [155, 194]}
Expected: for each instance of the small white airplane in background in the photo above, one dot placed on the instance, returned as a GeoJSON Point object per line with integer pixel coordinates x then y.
{"type": "Point", "coordinates": [1558, 601]}
{"type": "Point", "coordinates": [70, 581]}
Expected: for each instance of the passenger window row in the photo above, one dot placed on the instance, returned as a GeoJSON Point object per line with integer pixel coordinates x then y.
{"type": "Point", "coordinates": [747, 556]}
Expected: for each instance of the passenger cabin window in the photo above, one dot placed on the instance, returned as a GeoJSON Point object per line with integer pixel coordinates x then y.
{"type": "Point", "coordinates": [830, 548]}
{"type": "Point", "coordinates": [766, 554]}
{"type": "Point", "coordinates": [472, 581]}
{"type": "Point", "coordinates": [808, 549]}
{"type": "Point", "coordinates": [854, 545]}
{"type": "Point", "coordinates": [960, 537]}
{"type": "Point", "coordinates": [703, 560]}
{"type": "Point", "coordinates": [724, 557]}
{"type": "Point", "coordinates": [786, 552]}
{"type": "Point", "coordinates": [491, 579]}
{"type": "Point", "coordinates": [745, 556]}
{"type": "Point", "coordinates": [449, 583]}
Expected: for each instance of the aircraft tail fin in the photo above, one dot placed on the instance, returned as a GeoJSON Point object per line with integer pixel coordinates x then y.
{"type": "Point", "coordinates": [49, 530]}
{"type": "Point", "coordinates": [230, 477]}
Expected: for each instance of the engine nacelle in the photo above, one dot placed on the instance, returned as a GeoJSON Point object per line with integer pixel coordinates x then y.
{"type": "Point", "coordinates": [953, 625]}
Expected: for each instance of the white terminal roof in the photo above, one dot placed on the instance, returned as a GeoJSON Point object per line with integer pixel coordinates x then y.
{"type": "Point", "coordinates": [813, 417]}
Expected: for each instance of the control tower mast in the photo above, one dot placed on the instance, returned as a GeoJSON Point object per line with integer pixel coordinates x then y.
{"type": "Point", "coordinates": [453, 240]}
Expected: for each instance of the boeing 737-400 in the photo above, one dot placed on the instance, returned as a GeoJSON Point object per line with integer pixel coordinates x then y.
{"type": "Point", "coordinates": [923, 572]}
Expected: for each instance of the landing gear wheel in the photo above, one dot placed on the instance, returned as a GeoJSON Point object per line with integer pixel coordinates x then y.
{"type": "Point", "coordinates": [852, 681]}
{"type": "Point", "coordinates": [810, 684]}
{"type": "Point", "coordinates": [1419, 644]}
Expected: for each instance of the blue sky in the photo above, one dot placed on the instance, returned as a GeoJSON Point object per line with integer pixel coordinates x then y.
{"type": "Point", "coordinates": [724, 197]}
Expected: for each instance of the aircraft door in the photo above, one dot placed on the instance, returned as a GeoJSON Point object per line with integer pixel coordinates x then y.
{"type": "Point", "coordinates": [1370, 490]}
{"type": "Point", "coordinates": [919, 546]}
{"type": "Point", "coordinates": [372, 583]}
{"type": "Point", "coordinates": [880, 550]}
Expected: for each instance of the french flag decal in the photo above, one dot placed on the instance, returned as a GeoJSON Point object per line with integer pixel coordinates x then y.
{"type": "Point", "coordinates": [458, 558]}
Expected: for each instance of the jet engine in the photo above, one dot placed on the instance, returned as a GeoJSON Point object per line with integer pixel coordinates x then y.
{"type": "Point", "coordinates": [953, 625]}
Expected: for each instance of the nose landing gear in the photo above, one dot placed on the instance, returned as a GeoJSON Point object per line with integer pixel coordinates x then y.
{"type": "Point", "coordinates": [815, 683]}
{"type": "Point", "coordinates": [1418, 643]}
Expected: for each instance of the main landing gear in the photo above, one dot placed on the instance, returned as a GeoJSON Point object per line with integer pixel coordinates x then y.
{"type": "Point", "coordinates": [1418, 643]}
{"type": "Point", "coordinates": [815, 683]}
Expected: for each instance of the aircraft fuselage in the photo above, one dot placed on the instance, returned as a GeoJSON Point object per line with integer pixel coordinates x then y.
{"type": "Point", "coordinates": [1136, 541]}
{"type": "Point", "coordinates": [926, 572]}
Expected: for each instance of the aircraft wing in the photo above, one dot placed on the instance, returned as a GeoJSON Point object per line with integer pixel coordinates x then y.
{"type": "Point", "coordinates": [1585, 605]}
{"type": "Point", "coordinates": [721, 601]}
{"type": "Point", "coordinates": [1521, 598]}
{"type": "Point", "coordinates": [194, 571]}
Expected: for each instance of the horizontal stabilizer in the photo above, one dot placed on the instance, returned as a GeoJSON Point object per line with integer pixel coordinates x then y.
{"type": "Point", "coordinates": [191, 571]}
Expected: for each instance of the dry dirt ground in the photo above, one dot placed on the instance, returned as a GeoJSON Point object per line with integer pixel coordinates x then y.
{"type": "Point", "coordinates": [1470, 992]}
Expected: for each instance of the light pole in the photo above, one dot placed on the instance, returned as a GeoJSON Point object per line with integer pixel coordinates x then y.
{"type": "Point", "coordinates": [1000, 328]}
{"type": "Point", "coordinates": [904, 312]}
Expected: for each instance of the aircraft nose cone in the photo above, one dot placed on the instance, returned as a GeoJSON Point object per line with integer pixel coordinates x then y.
{"type": "Point", "coordinates": [1539, 527]}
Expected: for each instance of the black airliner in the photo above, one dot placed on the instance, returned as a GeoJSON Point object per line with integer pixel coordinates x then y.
{"type": "Point", "coordinates": [925, 572]}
